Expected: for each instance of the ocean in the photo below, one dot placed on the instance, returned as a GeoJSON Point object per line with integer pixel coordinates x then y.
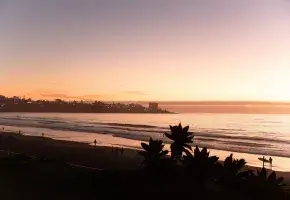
{"type": "Point", "coordinates": [259, 134]}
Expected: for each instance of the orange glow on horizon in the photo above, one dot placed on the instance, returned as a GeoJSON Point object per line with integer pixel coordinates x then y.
{"type": "Point", "coordinates": [186, 52]}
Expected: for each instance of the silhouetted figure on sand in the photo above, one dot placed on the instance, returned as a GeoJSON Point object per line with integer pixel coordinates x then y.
{"type": "Point", "coordinates": [270, 161]}
{"type": "Point", "coordinates": [263, 161]}
{"type": "Point", "coordinates": [95, 142]}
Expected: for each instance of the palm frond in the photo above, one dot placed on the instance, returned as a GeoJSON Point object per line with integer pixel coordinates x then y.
{"type": "Point", "coordinates": [145, 146]}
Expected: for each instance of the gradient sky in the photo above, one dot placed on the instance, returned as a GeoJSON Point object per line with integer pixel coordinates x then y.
{"type": "Point", "coordinates": [146, 50]}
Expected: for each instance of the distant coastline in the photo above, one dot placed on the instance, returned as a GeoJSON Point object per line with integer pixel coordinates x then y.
{"type": "Point", "coordinates": [17, 104]}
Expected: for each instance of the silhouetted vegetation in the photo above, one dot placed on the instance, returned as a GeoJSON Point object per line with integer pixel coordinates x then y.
{"type": "Point", "coordinates": [154, 155]}
{"type": "Point", "coordinates": [182, 140]}
{"type": "Point", "coordinates": [206, 174]}
{"type": "Point", "coordinates": [230, 174]}
{"type": "Point", "coordinates": [189, 174]}
{"type": "Point", "coordinates": [200, 165]}
{"type": "Point", "coordinates": [17, 104]}
{"type": "Point", "coordinates": [263, 185]}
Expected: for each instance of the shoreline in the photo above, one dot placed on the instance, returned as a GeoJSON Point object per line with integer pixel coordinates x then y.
{"type": "Point", "coordinates": [254, 135]}
{"type": "Point", "coordinates": [15, 139]}
{"type": "Point", "coordinates": [107, 140]}
{"type": "Point", "coordinates": [97, 134]}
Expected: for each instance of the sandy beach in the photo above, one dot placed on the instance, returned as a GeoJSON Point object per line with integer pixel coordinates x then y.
{"type": "Point", "coordinates": [70, 152]}
{"type": "Point", "coordinates": [78, 171]}
{"type": "Point", "coordinates": [99, 157]}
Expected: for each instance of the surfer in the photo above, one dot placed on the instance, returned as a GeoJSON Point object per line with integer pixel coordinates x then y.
{"type": "Point", "coordinates": [270, 161]}
{"type": "Point", "coordinates": [263, 161]}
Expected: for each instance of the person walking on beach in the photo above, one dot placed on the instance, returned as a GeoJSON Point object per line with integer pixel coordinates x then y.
{"type": "Point", "coordinates": [95, 142]}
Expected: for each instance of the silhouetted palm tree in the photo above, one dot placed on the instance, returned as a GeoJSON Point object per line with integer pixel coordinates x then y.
{"type": "Point", "coordinates": [230, 174]}
{"type": "Point", "coordinates": [263, 180]}
{"type": "Point", "coordinates": [200, 165]}
{"type": "Point", "coordinates": [153, 153]}
{"type": "Point", "coordinates": [182, 140]}
{"type": "Point", "coordinates": [264, 186]}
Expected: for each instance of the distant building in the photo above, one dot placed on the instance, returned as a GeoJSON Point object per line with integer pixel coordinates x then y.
{"type": "Point", "coordinates": [153, 107]}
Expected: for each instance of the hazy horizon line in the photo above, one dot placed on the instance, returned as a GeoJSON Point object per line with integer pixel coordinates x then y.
{"type": "Point", "coordinates": [179, 101]}
{"type": "Point", "coordinates": [213, 102]}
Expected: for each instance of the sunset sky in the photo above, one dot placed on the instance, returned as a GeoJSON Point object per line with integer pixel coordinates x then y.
{"type": "Point", "coordinates": [146, 50]}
